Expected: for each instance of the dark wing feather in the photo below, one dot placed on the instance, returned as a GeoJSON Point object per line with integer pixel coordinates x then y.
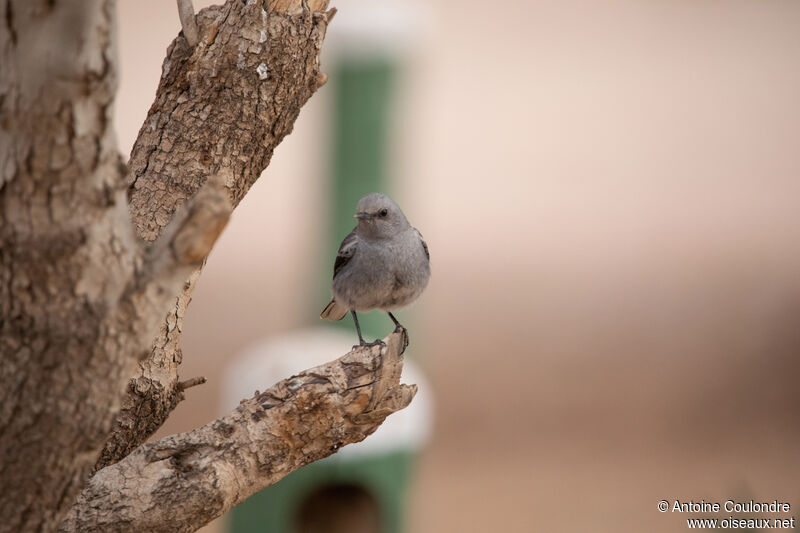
{"type": "Point", "coordinates": [424, 244]}
{"type": "Point", "coordinates": [346, 252]}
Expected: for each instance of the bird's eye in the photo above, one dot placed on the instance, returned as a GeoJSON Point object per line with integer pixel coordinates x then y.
{"type": "Point", "coordinates": [383, 212]}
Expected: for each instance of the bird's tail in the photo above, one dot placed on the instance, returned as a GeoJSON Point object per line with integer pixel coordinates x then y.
{"type": "Point", "coordinates": [334, 311]}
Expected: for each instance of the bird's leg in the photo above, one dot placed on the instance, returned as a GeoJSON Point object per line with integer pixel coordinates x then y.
{"type": "Point", "coordinates": [358, 328]}
{"type": "Point", "coordinates": [399, 328]}
{"type": "Point", "coordinates": [397, 325]}
{"type": "Point", "coordinates": [361, 341]}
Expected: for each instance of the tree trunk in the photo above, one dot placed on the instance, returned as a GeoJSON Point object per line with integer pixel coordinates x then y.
{"type": "Point", "coordinates": [97, 261]}
{"type": "Point", "coordinates": [66, 255]}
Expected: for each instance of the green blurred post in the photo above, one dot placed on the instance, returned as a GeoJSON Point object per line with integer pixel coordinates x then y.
{"type": "Point", "coordinates": [363, 95]}
{"type": "Point", "coordinates": [363, 90]}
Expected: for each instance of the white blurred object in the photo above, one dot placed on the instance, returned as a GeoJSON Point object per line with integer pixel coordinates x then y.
{"type": "Point", "coordinates": [375, 28]}
{"type": "Point", "coordinates": [264, 364]}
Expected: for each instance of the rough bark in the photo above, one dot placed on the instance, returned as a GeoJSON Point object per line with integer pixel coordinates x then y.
{"type": "Point", "coordinates": [182, 482]}
{"type": "Point", "coordinates": [66, 255]}
{"type": "Point", "coordinates": [221, 108]}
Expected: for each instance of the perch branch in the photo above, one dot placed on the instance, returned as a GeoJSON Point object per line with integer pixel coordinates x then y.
{"type": "Point", "coordinates": [184, 481]}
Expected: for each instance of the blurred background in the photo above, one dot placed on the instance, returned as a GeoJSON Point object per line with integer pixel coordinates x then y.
{"type": "Point", "coordinates": [610, 195]}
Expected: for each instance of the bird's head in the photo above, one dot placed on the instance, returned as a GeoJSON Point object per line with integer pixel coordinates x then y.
{"type": "Point", "coordinates": [379, 217]}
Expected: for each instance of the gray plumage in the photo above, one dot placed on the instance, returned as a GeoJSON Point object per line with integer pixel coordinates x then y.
{"type": "Point", "coordinates": [382, 264]}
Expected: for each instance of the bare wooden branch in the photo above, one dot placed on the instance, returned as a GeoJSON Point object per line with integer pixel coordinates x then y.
{"type": "Point", "coordinates": [184, 481]}
{"type": "Point", "coordinates": [193, 382]}
{"type": "Point", "coordinates": [175, 256]}
{"type": "Point", "coordinates": [189, 25]}
{"type": "Point", "coordinates": [178, 252]}
{"type": "Point", "coordinates": [188, 239]}
{"type": "Point", "coordinates": [153, 392]}
{"type": "Point", "coordinates": [219, 110]}
{"type": "Point", "coordinates": [222, 109]}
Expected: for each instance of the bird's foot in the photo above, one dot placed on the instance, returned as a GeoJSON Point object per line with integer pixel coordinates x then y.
{"type": "Point", "coordinates": [363, 343]}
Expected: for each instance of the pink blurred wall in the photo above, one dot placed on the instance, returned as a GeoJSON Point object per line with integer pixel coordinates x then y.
{"type": "Point", "coordinates": [609, 191]}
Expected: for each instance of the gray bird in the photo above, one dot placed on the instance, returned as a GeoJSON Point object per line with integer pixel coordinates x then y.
{"type": "Point", "coordinates": [382, 264]}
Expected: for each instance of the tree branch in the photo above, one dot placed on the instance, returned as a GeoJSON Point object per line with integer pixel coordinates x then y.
{"type": "Point", "coordinates": [188, 240]}
{"type": "Point", "coordinates": [177, 253]}
{"type": "Point", "coordinates": [221, 108]}
{"type": "Point", "coordinates": [184, 481]}
{"type": "Point", "coordinates": [189, 25]}
{"type": "Point", "coordinates": [192, 382]}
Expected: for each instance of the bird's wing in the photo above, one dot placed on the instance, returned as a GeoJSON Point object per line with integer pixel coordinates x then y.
{"type": "Point", "coordinates": [346, 252]}
{"type": "Point", "coordinates": [424, 244]}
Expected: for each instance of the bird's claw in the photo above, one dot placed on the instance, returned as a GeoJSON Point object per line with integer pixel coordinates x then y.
{"type": "Point", "coordinates": [379, 342]}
